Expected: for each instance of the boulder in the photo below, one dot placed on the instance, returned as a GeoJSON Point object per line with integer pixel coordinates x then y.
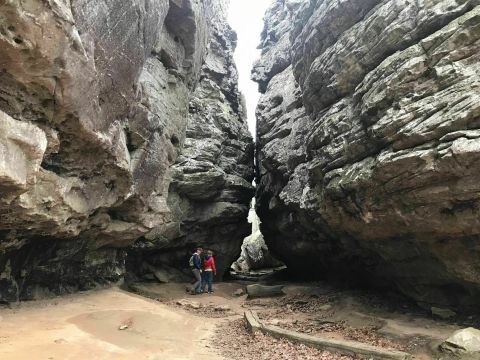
{"type": "Point", "coordinates": [162, 276]}
{"type": "Point", "coordinates": [443, 313]}
{"type": "Point", "coordinates": [463, 342]}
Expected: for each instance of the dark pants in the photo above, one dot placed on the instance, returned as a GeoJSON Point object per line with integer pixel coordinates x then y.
{"type": "Point", "coordinates": [207, 279]}
{"type": "Point", "coordinates": [195, 289]}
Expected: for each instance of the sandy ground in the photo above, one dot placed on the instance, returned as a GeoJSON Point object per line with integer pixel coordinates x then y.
{"type": "Point", "coordinates": [86, 326]}
{"type": "Point", "coordinates": [316, 309]}
{"type": "Point", "coordinates": [169, 324]}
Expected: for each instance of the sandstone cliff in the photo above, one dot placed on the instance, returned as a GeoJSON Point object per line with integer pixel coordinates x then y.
{"type": "Point", "coordinates": [368, 143]}
{"type": "Point", "coordinates": [94, 105]}
{"type": "Point", "coordinates": [211, 180]}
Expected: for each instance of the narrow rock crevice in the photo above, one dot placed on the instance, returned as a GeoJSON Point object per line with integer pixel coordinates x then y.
{"type": "Point", "coordinates": [124, 144]}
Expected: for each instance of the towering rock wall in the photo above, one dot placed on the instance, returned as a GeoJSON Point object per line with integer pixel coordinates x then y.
{"type": "Point", "coordinates": [211, 184]}
{"type": "Point", "coordinates": [368, 143]}
{"type": "Point", "coordinates": [94, 103]}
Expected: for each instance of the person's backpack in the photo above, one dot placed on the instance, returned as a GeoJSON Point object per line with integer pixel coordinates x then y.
{"type": "Point", "coordinates": [191, 261]}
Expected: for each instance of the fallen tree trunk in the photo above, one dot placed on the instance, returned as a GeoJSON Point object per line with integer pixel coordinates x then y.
{"type": "Point", "coordinates": [257, 291]}
{"type": "Point", "coordinates": [344, 347]}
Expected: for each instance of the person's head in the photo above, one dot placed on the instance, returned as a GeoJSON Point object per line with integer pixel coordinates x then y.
{"type": "Point", "coordinates": [199, 250]}
{"type": "Point", "coordinates": [210, 253]}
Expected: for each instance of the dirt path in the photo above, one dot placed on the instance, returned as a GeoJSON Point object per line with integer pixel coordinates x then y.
{"type": "Point", "coordinates": [172, 325]}
{"type": "Point", "coordinates": [86, 326]}
{"type": "Point", "coordinates": [315, 309]}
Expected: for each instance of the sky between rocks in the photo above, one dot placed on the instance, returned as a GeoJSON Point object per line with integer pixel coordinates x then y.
{"type": "Point", "coordinates": [246, 18]}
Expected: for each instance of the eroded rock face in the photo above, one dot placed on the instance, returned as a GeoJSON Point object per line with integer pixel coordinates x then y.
{"type": "Point", "coordinates": [92, 116]}
{"type": "Point", "coordinates": [255, 254]}
{"type": "Point", "coordinates": [211, 185]}
{"type": "Point", "coordinates": [368, 140]}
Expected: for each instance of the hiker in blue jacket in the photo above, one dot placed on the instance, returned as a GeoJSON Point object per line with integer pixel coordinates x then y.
{"type": "Point", "coordinates": [196, 266]}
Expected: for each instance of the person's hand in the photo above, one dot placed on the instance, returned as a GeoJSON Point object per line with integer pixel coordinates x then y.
{"type": "Point", "coordinates": [214, 274]}
{"type": "Point", "coordinates": [200, 271]}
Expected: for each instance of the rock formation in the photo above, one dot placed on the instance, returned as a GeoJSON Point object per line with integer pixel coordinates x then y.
{"type": "Point", "coordinates": [94, 103]}
{"type": "Point", "coordinates": [368, 143]}
{"type": "Point", "coordinates": [211, 185]}
{"type": "Point", "coordinates": [254, 251]}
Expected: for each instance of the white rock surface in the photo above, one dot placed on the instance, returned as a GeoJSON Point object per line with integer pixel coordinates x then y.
{"type": "Point", "coordinates": [465, 341]}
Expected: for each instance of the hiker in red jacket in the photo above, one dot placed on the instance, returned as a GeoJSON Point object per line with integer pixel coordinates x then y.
{"type": "Point", "coordinates": [209, 271]}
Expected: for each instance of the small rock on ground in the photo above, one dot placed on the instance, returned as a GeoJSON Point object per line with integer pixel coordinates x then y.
{"type": "Point", "coordinates": [239, 292]}
{"type": "Point", "coordinates": [443, 313]}
{"type": "Point", "coordinates": [188, 303]}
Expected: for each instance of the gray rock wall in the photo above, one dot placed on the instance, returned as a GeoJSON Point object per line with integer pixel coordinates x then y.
{"type": "Point", "coordinates": [94, 104]}
{"type": "Point", "coordinates": [211, 185]}
{"type": "Point", "coordinates": [368, 143]}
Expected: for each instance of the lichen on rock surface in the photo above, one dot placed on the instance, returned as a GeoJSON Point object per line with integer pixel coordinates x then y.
{"type": "Point", "coordinates": [92, 117]}
{"type": "Point", "coordinates": [368, 142]}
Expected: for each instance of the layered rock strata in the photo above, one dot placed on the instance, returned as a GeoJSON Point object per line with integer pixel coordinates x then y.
{"type": "Point", "coordinates": [368, 143]}
{"type": "Point", "coordinates": [211, 184]}
{"type": "Point", "coordinates": [94, 102]}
